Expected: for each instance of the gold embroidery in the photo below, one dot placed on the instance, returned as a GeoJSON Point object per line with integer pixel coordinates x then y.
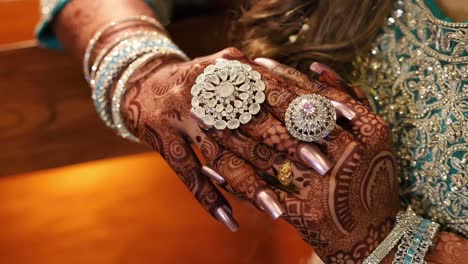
{"type": "Point", "coordinates": [417, 75]}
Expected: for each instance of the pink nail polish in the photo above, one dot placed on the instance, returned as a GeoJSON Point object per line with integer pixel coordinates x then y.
{"type": "Point", "coordinates": [312, 156]}
{"type": "Point", "coordinates": [268, 201]}
{"type": "Point", "coordinates": [344, 110]}
{"type": "Point", "coordinates": [267, 63]}
{"type": "Point", "coordinates": [224, 215]}
{"type": "Point", "coordinates": [212, 174]}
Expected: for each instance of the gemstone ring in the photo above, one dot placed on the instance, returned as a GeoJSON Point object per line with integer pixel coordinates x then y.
{"type": "Point", "coordinates": [227, 94]}
{"type": "Point", "coordinates": [310, 117]}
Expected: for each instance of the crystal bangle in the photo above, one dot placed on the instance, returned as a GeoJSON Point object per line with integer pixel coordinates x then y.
{"type": "Point", "coordinates": [404, 222]}
{"type": "Point", "coordinates": [112, 45]}
{"type": "Point", "coordinates": [97, 36]}
{"type": "Point", "coordinates": [118, 59]}
{"type": "Point", "coordinates": [121, 88]}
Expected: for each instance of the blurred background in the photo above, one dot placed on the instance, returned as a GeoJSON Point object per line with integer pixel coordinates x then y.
{"type": "Point", "coordinates": [73, 192]}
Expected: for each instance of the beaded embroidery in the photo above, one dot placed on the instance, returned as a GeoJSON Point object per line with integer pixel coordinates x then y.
{"type": "Point", "coordinates": [417, 78]}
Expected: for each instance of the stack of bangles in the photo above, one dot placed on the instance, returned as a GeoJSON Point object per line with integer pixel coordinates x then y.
{"type": "Point", "coordinates": [118, 60]}
{"type": "Point", "coordinates": [414, 234]}
{"type": "Point", "coordinates": [226, 95]}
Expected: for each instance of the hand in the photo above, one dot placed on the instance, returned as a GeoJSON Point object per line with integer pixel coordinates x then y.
{"type": "Point", "coordinates": [157, 110]}
{"type": "Point", "coordinates": [347, 212]}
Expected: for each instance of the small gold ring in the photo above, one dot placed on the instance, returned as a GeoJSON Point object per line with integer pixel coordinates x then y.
{"type": "Point", "coordinates": [285, 175]}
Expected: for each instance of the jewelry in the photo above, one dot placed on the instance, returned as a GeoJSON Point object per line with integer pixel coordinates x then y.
{"type": "Point", "coordinates": [285, 175]}
{"type": "Point", "coordinates": [310, 117]}
{"type": "Point", "coordinates": [117, 60]}
{"type": "Point", "coordinates": [121, 88]}
{"type": "Point", "coordinates": [227, 94]}
{"type": "Point", "coordinates": [97, 36]}
{"type": "Point", "coordinates": [415, 243]}
{"type": "Point", "coordinates": [416, 73]}
{"type": "Point", "coordinates": [110, 46]}
{"type": "Point", "coordinates": [404, 222]}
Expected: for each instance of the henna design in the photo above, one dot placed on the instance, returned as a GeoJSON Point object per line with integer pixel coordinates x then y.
{"type": "Point", "coordinates": [383, 165]}
{"type": "Point", "coordinates": [449, 248]}
{"type": "Point", "coordinates": [153, 139]}
{"type": "Point", "coordinates": [150, 111]}
{"type": "Point", "coordinates": [340, 189]}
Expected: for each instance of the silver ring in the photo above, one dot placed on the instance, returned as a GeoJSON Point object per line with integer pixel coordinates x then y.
{"type": "Point", "coordinates": [227, 94]}
{"type": "Point", "coordinates": [310, 117]}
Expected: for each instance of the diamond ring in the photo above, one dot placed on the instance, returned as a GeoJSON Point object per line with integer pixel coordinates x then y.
{"type": "Point", "coordinates": [310, 117]}
{"type": "Point", "coordinates": [227, 94]}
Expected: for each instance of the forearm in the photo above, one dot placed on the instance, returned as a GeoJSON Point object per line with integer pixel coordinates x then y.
{"type": "Point", "coordinates": [80, 19]}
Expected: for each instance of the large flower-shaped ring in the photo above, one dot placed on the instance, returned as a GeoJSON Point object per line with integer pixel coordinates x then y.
{"type": "Point", "coordinates": [227, 94]}
{"type": "Point", "coordinates": [310, 117]}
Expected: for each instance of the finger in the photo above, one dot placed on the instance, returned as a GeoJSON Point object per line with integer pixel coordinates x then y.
{"type": "Point", "coordinates": [268, 130]}
{"type": "Point", "coordinates": [183, 161]}
{"type": "Point", "coordinates": [305, 85]}
{"type": "Point", "coordinates": [329, 76]}
{"type": "Point", "coordinates": [242, 177]}
{"type": "Point", "coordinates": [259, 155]}
{"type": "Point", "coordinates": [291, 74]}
{"type": "Point", "coordinates": [237, 173]}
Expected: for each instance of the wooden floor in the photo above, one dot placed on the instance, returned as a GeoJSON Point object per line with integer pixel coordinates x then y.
{"type": "Point", "coordinates": [123, 210]}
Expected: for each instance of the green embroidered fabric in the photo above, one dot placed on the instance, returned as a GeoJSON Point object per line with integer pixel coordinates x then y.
{"type": "Point", "coordinates": [417, 79]}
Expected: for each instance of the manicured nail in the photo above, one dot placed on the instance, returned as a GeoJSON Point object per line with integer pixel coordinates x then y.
{"type": "Point", "coordinates": [268, 201]}
{"type": "Point", "coordinates": [321, 68]}
{"type": "Point", "coordinates": [344, 110]}
{"type": "Point", "coordinates": [212, 174]}
{"type": "Point", "coordinates": [220, 59]}
{"type": "Point", "coordinates": [267, 63]}
{"type": "Point", "coordinates": [315, 67]}
{"type": "Point", "coordinates": [312, 156]}
{"type": "Point", "coordinates": [224, 215]}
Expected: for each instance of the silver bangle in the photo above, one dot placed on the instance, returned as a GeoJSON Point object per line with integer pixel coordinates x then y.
{"type": "Point", "coordinates": [118, 59]}
{"type": "Point", "coordinates": [416, 242]}
{"type": "Point", "coordinates": [96, 37]}
{"type": "Point", "coordinates": [405, 221]}
{"type": "Point", "coordinates": [121, 88]}
{"type": "Point", "coordinates": [112, 45]}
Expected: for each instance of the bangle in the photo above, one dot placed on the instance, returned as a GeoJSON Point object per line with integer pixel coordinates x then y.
{"type": "Point", "coordinates": [118, 59]}
{"type": "Point", "coordinates": [121, 88]}
{"type": "Point", "coordinates": [405, 221]}
{"type": "Point", "coordinates": [415, 244]}
{"type": "Point", "coordinates": [97, 36]}
{"type": "Point", "coordinates": [110, 46]}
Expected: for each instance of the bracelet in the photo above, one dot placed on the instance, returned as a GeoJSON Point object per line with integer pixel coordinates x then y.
{"type": "Point", "coordinates": [415, 244]}
{"type": "Point", "coordinates": [118, 59]}
{"type": "Point", "coordinates": [96, 37]}
{"type": "Point", "coordinates": [405, 221]}
{"type": "Point", "coordinates": [110, 46]}
{"type": "Point", "coordinates": [121, 88]}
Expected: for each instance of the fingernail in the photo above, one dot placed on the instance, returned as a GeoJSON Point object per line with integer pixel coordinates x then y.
{"type": "Point", "coordinates": [212, 174]}
{"type": "Point", "coordinates": [224, 215]}
{"type": "Point", "coordinates": [267, 63]}
{"type": "Point", "coordinates": [200, 122]}
{"type": "Point", "coordinates": [268, 201]}
{"type": "Point", "coordinates": [312, 156]}
{"type": "Point", "coordinates": [220, 59]}
{"type": "Point", "coordinates": [344, 110]}
{"type": "Point", "coordinates": [315, 67]}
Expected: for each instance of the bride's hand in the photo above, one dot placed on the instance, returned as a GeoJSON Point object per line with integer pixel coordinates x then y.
{"type": "Point", "coordinates": [345, 213]}
{"type": "Point", "coordinates": [157, 109]}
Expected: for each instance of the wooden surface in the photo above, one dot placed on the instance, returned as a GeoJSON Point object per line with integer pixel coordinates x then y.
{"type": "Point", "coordinates": [129, 210]}
{"type": "Point", "coordinates": [48, 119]}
